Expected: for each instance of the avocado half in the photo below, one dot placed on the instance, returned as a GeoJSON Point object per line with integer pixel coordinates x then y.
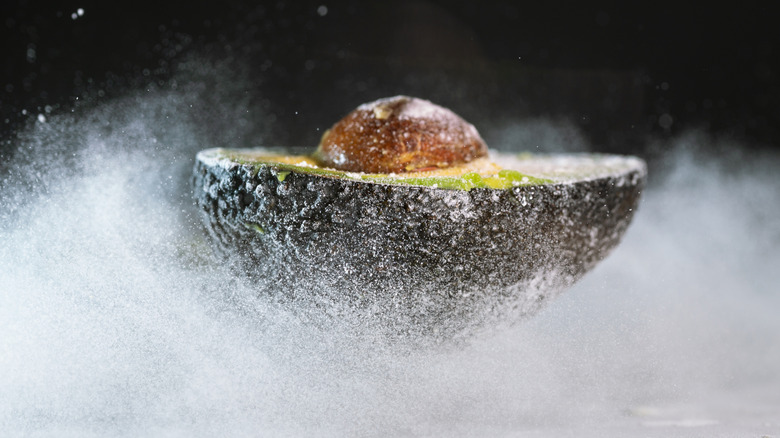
{"type": "Point", "coordinates": [416, 253]}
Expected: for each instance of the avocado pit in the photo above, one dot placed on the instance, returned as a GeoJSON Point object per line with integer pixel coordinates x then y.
{"type": "Point", "coordinates": [399, 134]}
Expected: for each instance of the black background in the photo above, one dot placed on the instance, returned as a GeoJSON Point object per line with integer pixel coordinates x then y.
{"type": "Point", "coordinates": [623, 73]}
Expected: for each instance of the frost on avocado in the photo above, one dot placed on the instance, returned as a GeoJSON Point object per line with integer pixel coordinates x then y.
{"type": "Point", "coordinates": [403, 251]}
{"type": "Point", "coordinates": [504, 179]}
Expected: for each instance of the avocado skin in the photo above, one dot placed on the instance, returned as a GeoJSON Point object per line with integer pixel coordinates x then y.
{"type": "Point", "coordinates": [413, 259]}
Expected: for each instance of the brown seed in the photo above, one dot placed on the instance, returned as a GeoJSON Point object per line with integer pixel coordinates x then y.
{"type": "Point", "coordinates": [399, 134]}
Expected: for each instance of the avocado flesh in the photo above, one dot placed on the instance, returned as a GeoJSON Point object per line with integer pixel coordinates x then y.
{"type": "Point", "coordinates": [415, 258]}
{"type": "Point", "coordinates": [480, 173]}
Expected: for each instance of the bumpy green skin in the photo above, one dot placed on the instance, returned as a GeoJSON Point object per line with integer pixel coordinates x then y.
{"type": "Point", "coordinates": [415, 259]}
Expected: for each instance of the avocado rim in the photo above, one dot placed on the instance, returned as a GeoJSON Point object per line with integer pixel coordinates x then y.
{"type": "Point", "coordinates": [504, 179]}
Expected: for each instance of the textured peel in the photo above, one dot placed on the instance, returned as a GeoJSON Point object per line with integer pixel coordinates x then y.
{"type": "Point", "coordinates": [425, 258]}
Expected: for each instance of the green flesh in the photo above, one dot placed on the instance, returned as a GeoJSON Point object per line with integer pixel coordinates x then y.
{"type": "Point", "coordinates": [506, 178]}
{"type": "Point", "coordinates": [254, 226]}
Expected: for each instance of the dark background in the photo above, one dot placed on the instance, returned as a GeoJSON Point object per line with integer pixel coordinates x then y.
{"type": "Point", "coordinates": [623, 73]}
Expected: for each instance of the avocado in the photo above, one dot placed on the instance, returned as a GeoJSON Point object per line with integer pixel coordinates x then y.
{"type": "Point", "coordinates": [420, 252]}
